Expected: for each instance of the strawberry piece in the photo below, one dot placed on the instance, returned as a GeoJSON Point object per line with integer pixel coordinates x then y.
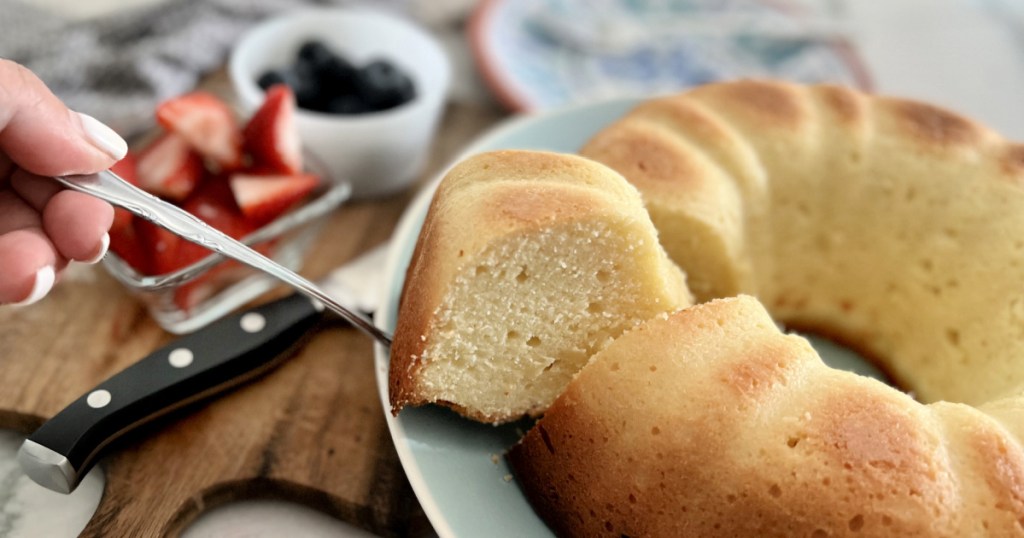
{"type": "Point", "coordinates": [192, 293]}
{"type": "Point", "coordinates": [207, 124]}
{"type": "Point", "coordinates": [125, 243]}
{"type": "Point", "coordinates": [271, 137]}
{"type": "Point", "coordinates": [215, 205]}
{"type": "Point", "coordinates": [126, 169]}
{"type": "Point", "coordinates": [169, 168]}
{"type": "Point", "coordinates": [160, 246]}
{"type": "Point", "coordinates": [264, 198]}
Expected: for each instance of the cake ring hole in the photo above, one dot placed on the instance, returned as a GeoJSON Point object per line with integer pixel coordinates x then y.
{"type": "Point", "coordinates": [843, 355]}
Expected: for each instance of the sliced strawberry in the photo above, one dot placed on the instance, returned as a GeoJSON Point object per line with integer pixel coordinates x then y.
{"type": "Point", "coordinates": [207, 124]}
{"type": "Point", "coordinates": [190, 294]}
{"type": "Point", "coordinates": [271, 137]}
{"type": "Point", "coordinates": [169, 168]}
{"type": "Point", "coordinates": [214, 204]}
{"type": "Point", "coordinates": [264, 198]}
{"type": "Point", "coordinates": [160, 246]}
{"type": "Point", "coordinates": [126, 169]}
{"type": "Point", "coordinates": [125, 243]}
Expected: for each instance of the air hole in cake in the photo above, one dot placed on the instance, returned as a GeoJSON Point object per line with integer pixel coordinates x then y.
{"type": "Point", "coordinates": [856, 523]}
{"type": "Point", "coordinates": [595, 307]}
{"type": "Point", "coordinates": [792, 442]}
{"type": "Point", "coordinates": [533, 341]}
{"type": "Point", "coordinates": [953, 336]}
{"type": "Point", "coordinates": [511, 335]}
{"type": "Point", "coordinates": [521, 277]}
{"type": "Point", "coordinates": [603, 276]}
{"type": "Point", "coordinates": [655, 431]}
{"type": "Point", "coordinates": [775, 491]}
{"type": "Point", "coordinates": [481, 270]}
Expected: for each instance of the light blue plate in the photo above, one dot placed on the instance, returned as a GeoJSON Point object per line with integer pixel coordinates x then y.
{"type": "Point", "coordinates": [456, 466]}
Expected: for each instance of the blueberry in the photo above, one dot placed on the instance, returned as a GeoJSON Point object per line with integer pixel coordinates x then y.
{"type": "Point", "coordinates": [271, 77]}
{"type": "Point", "coordinates": [314, 53]}
{"type": "Point", "coordinates": [347, 104]}
{"type": "Point", "coordinates": [337, 76]}
{"type": "Point", "coordinates": [382, 85]}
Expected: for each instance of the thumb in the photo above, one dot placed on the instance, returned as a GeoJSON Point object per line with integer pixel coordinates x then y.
{"type": "Point", "coordinates": [42, 136]}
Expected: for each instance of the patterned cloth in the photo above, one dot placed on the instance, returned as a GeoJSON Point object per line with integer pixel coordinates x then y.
{"type": "Point", "coordinates": [117, 68]}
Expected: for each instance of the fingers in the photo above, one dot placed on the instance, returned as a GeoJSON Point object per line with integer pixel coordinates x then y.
{"type": "Point", "coordinates": [27, 258]}
{"type": "Point", "coordinates": [27, 266]}
{"type": "Point", "coordinates": [41, 135]}
{"type": "Point", "coordinates": [76, 223]}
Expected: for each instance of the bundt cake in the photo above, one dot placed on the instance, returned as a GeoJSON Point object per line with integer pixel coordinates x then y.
{"type": "Point", "coordinates": [527, 264]}
{"type": "Point", "coordinates": [892, 226]}
{"type": "Point", "coordinates": [889, 225]}
{"type": "Point", "coordinates": [712, 422]}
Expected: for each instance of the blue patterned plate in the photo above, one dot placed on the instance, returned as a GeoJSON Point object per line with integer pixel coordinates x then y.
{"type": "Point", "coordinates": [539, 54]}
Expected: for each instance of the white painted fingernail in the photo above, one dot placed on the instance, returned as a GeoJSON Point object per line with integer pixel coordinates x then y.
{"type": "Point", "coordinates": [45, 277]}
{"type": "Point", "coordinates": [104, 137]}
{"type": "Point", "coordinates": [104, 245]}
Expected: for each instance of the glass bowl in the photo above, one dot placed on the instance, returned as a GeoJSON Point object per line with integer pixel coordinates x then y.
{"type": "Point", "coordinates": [193, 296]}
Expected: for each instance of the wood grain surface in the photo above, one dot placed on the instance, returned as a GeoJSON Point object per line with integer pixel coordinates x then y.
{"type": "Point", "coordinates": [311, 431]}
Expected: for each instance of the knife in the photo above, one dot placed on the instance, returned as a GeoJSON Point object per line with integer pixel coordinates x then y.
{"type": "Point", "coordinates": [213, 359]}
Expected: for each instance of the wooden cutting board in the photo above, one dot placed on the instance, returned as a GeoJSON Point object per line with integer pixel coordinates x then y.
{"type": "Point", "coordinates": [311, 431]}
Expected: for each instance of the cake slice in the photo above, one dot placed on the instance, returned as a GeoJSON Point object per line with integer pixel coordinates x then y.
{"type": "Point", "coordinates": [527, 264]}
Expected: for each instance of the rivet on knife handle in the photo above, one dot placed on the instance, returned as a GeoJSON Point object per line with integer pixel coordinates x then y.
{"type": "Point", "coordinates": [198, 365]}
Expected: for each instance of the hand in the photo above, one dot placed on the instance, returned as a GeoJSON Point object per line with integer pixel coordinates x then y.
{"type": "Point", "coordinates": [43, 226]}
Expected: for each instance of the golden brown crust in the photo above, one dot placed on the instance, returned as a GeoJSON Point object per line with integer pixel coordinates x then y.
{"type": "Point", "coordinates": [769, 103]}
{"type": "Point", "coordinates": [1012, 161]}
{"type": "Point", "coordinates": [929, 124]}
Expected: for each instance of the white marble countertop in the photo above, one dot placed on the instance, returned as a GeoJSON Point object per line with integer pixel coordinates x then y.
{"type": "Point", "coordinates": [967, 55]}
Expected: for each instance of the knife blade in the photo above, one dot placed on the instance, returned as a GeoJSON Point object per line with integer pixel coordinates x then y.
{"type": "Point", "coordinates": [191, 368]}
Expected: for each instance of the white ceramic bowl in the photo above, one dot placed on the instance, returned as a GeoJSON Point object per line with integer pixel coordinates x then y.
{"type": "Point", "coordinates": [378, 152]}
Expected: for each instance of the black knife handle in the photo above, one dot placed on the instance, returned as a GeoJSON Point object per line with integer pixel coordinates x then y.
{"type": "Point", "coordinates": [195, 366]}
